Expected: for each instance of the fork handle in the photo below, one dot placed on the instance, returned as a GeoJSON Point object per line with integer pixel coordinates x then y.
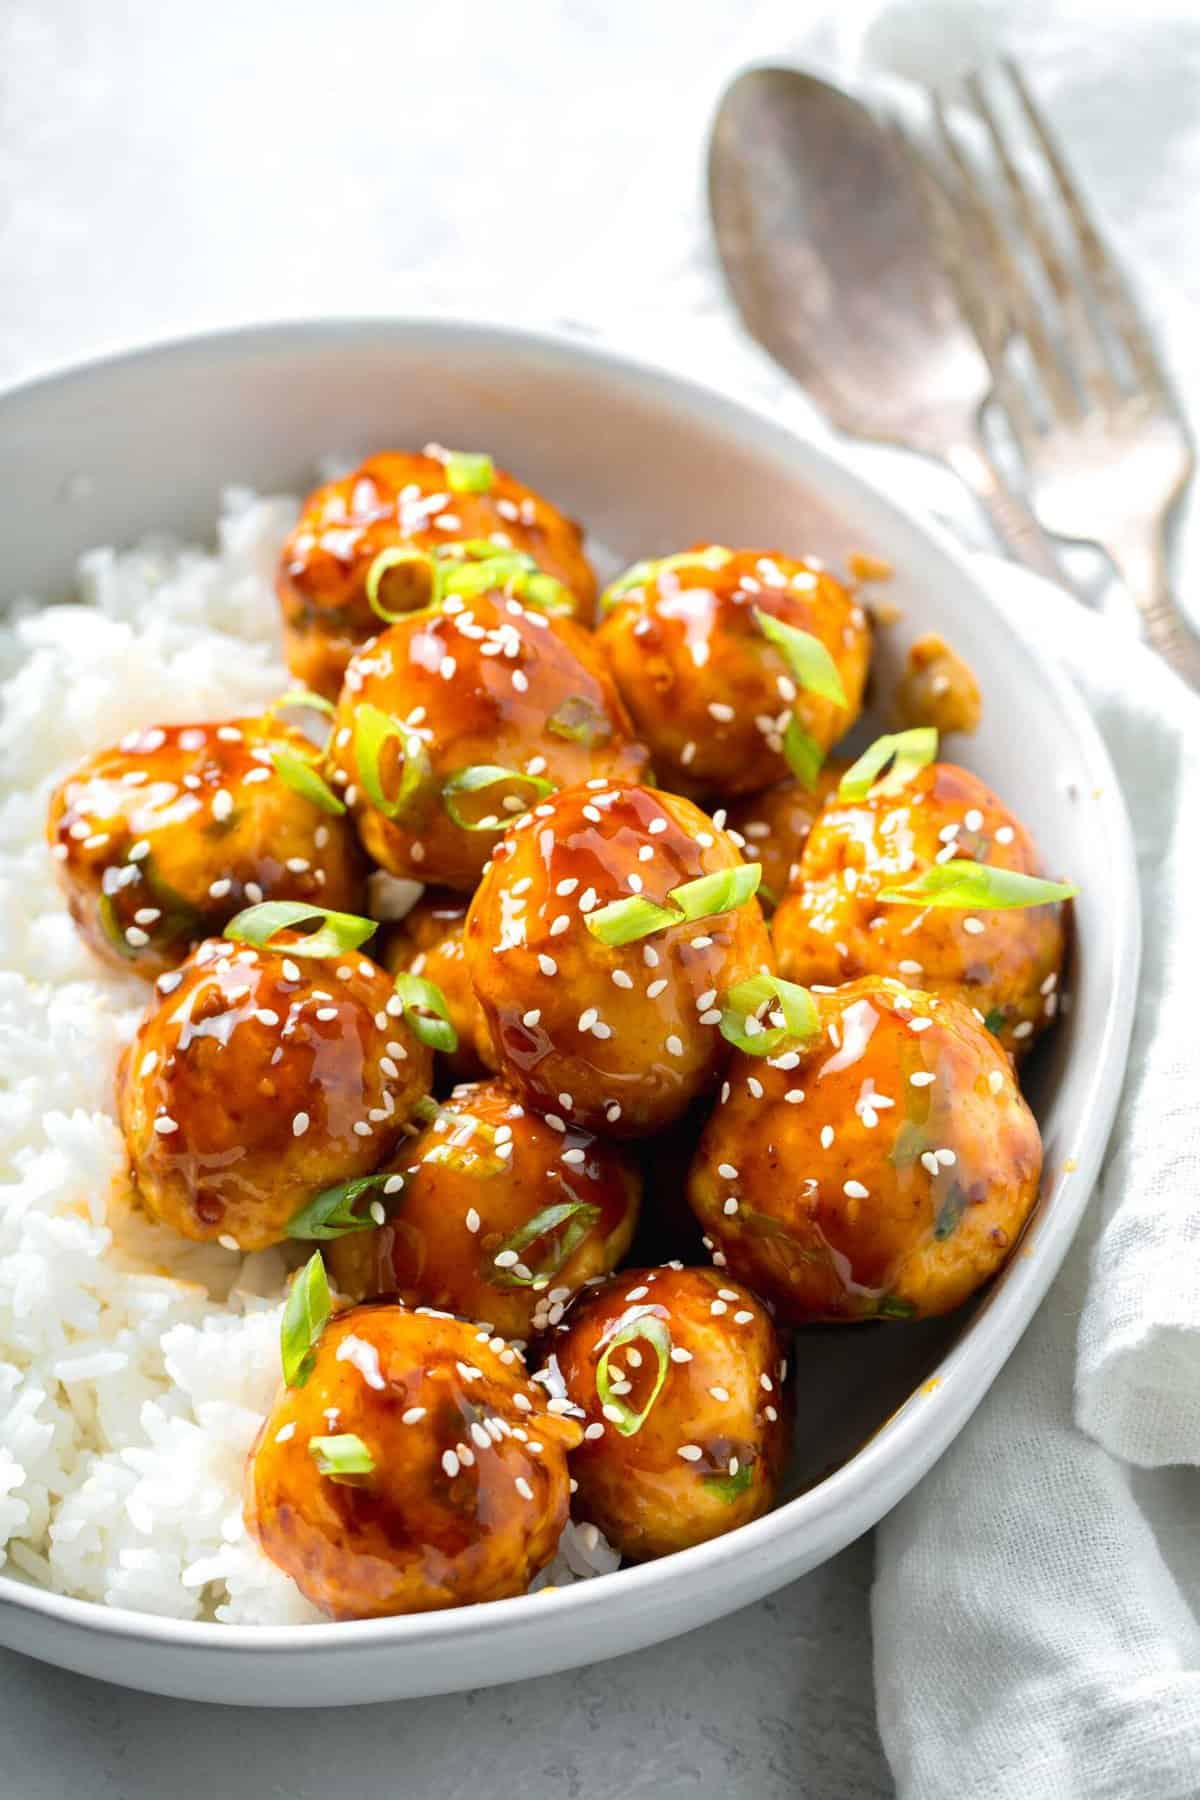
{"type": "Point", "coordinates": [1010, 518]}
{"type": "Point", "coordinates": [1141, 561]}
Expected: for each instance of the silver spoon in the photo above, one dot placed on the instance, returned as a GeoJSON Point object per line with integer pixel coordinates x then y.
{"type": "Point", "coordinates": [822, 225]}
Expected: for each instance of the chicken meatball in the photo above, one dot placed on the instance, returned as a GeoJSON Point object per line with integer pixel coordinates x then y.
{"type": "Point", "coordinates": [162, 839]}
{"type": "Point", "coordinates": [775, 824]}
{"type": "Point", "coordinates": [456, 719]}
{"type": "Point", "coordinates": [833, 927]}
{"type": "Point", "coordinates": [704, 650]}
{"type": "Point", "coordinates": [416, 1468]}
{"type": "Point", "coordinates": [679, 1374]}
{"type": "Point", "coordinates": [592, 1026]}
{"type": "Point", "coordinates": [429, 942]}
{"type": "Point", "coordinates": [499, 1217]}
{"type": "Point", "coordinates": [425, 502]}
{"type": "Point", "coordinates": [259, 1078]}
{"type": "Point", "coordinates": [880, 1167]}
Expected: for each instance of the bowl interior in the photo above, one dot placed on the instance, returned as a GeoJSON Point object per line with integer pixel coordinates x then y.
{"type": "Point", "coordinates": [650, 464]}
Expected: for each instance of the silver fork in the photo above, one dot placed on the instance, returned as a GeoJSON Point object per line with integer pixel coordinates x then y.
{"type": "Point", "coordinates": [1105, 451]}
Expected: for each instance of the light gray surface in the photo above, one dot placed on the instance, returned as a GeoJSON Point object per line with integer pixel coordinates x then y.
{"type": "Point", "coordinates": [774, 1702]}
{"type": "Point", "coordinates": [163, 169]}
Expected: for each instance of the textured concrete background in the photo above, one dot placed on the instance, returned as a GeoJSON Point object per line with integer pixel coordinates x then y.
{"type": "Point", "coordinates": [165, 167]}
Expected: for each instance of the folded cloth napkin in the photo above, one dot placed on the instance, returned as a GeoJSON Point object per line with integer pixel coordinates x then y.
{"type": "Point", "coordinates": [1037, 1598]}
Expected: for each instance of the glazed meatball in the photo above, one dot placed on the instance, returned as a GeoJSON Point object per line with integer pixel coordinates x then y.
{"type": "Point", "coordinates": [452, 690]}
{"type": "Point", "coordinates": [426, 502]}
{"type": "Point", "coordinates": [882, 1168]}
{"type": "Point", "coordinates": [258, 1079]}
{"type": "Point", "coordinates": [429, 942]}
{"type": "Point", "coordinates": [458, 1491]}
{"type": "Point", "coordinates": [775, 824]}
{"type": "Point", "coordinates": [832, 927]}
{"type": "Point", "coordinates": [500, 1217]}
{"type": "Point", "coordinates": [610, 1036]}
{"type": "Point", "coordinates": [710, 691]}
{"type": "Point", "coordinates": [162, 839]}
{"type": "Point", "coordinates": [679, 1373]}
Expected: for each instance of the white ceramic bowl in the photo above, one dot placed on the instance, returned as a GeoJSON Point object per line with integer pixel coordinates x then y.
{"type": "Point", "coordinates": [101, 453]}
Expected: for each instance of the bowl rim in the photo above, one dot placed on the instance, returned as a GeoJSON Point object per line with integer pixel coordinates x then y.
{"type": "Point", "coordinates": [916, 1435]}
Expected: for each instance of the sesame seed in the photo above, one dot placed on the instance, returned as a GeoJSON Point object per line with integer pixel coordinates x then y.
{"type": "Point", "coordinates": [523, 1488]}
{"type": "Point", "coordinates": [947, 1158]}
{"type": "Point", "coordinates": [973, 925]}
{"type": "Point", "coordinates": [574, 1157]}
{"type": "Point", "coordinates": [854, 1190]}
{"type": "Point", "coordinates": [727, 1172]}
{"type": "Point", "coordinates": [730, 1207]}
{"type": "Point", "coordinates": [393, 1184]}
{"type": "Point", "coordinates": [974, 820]}
{"type": "Point", "coordinates": [547, 965]}
{"type": "Point", "coordinates": [743, 1317]}
{"type": "Point", "coordinates": [286, 1432]}
{"type": "Point", "coordinates": [656, 827]}
{"type": "Point", "coordinates": [754, 1087]}
{"type": "Point", "coordinates": [560, 924]}
{"type": "Point", "coordinates": [362, 1129]}
{"type": "Point", "coordinates": [413, 1416]}
{"type": "Point", "coordinates": [291, 970]}
{"type": "Point", "coordinates": [450, 1463]}
{"type": "Point", "coordinates": [1023, 1030]}
{"type": "Point", "coordinates": [165, 1125]}
{"type": "Point", "coordinates": [996, 1081]}
{"type": "Point", "coordinates": [227, 1242]}
{"type": "Point", "coordinates": [679, 1355]}
{"type": "Point", "coordinates": [531, 1018]}
{"type": "Point", "coordinates": [721, 1394]}
{"type": "Point", "coordinates": [675, 1045]}
{"type": "Point", "coordinates": [656, 988]}
{"type": "Point", "coordinates": [136, 936]}
{"type": "Point", "coordinates": [690, 1452]}
{"type": "Point", "coordinates": [299, 1124]}
{"type": "Point", "coordinates": [593, 1431]}
{"type": "Point", "coordinates": [637, 1293]}
{"type": "Point", "coordinates": [929, 1161]}
{"type": "Point", "coordinates": [1005, 834]}
{"type": "Point", "coordinates": [506, 1259]}
{"type": "Point", "coordinates": [919, 1024]}
{"type": "Point", "coordinates": [922, 1078]}
{"type": "Point", "coordinates": [622, 979]}
{"type": "Point", "coordinates": [717, 1308]}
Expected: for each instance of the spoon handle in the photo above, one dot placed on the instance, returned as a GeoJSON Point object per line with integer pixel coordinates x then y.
{"type": "Point", "coordinates": [1010, 518]}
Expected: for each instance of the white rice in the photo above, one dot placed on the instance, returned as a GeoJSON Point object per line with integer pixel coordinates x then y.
{"type": "Point", "coordinates": [135, 1367]}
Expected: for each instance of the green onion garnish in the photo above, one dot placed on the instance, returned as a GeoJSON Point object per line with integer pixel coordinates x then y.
{"type": "Point", "coordinates": [373, 730]}
{"type": "Point", "coordinates": [485, 775]}
{"type": "Point", "coordinates": [300, 775]}
{"type": "Point", "coordinates": [950, 1212]}
{"type": "Point", "coordinates": [805, 655]}
{"type": "Point", "coordinates": [639, 1323]}
{"type": "Point", "coordinates": [563, 1226]}
{"type": "Point", "coordinates": [426, 1011]}
{"type": "Point", "coordinates": [625, 921]}
{"type": "Point", "coordinates": [331, 1213]}
{"type": "Point", "coordinates": [714, 556]}
{"type": "Point", "coordinates": [907, 751]}
{"type": "Point", "coordinates": [304, 1319]}
{"type": "Point", "coordinates": [339, 932]}
{"type": "Point", "coordinates": [803, 754]}
{"type": "Point", "coordinates": [340, 1456]}
{"type": "Point", "coordinates": [718, 893]}
{"type": "Point", "coordinates": [970, 884]}
{"type": "Point", "coordinates": [730, 1487]}
{"type": "Point", "coordinates": [301, 697]}
{"type": "Point", "coordinates": [402, 556]}
{"type": "Point", "coordinates": [893, 1308]}
{"type": "Point", "coordinates": [581, 721]}
{"type": "Point", "coordinates": [741, 1006]}
{"type": "Point", "coordinates": [469, 471]}
{"type": "Point", "coordinates": [456, 1149]}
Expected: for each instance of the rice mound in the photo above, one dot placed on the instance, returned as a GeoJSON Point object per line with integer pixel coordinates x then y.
{"type": "Point", "coordinates": [135, 1367]}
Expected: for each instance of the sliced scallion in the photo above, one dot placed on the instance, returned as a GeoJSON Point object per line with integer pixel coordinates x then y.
{"type": "Point", "coordinates": [341, 1456]}
{"type": "Point", "coordinates": [303, 779]}
{"type": "Point", "coordinates": [742, 1005]}
{"type": "Point", "coordinates": [469, 471]}
{"type": "Point", "coordinates": [640, 1324]}
{"type": "Point", "coordinates": [339, 932]}
{"type": "Point", "coordinates": [805, 655]}
{"type": "Point", "coordinates": [479, 776]}
{"type": "Point", "coordinates": [581, 721]}
{"type": "Point", "coordinates": [712, 556]}
{"type": "Point", "coordinates": [731, 1487]}
{"type": "Point", "coordinates": [373, 731]}
{"type": "Point", "coordinates": [426, 1011]}
{"type": "Point", "coordinates": [332, 1214]}
{"type": "Point", "coordinates": [971, 885]}
{"type": "Point", "coordinates": [908, 752]}
{"type": "Point", "coordinates": [304, 1319]}
{"type": "Point", "coordinates": [302, 697]}
{"type": "Point", "coordinates": [625, 921]}
{"type": "Point", "coordinates": [803, 754]}
{"type": "Point", "coordinates": [562, 1227]}
{"type": "Point", "coordinates": [402, 556]}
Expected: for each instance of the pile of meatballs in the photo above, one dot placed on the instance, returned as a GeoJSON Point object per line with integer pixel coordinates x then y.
{"type": "Point", "coordinates": [696, 1034]}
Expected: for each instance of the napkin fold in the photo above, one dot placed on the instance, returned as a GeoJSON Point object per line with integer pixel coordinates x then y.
{"type": "Point", "coordinates": [1037, 1600]}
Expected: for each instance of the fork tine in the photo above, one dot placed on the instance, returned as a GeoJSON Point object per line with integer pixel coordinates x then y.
{"type": "Point", "coordinates": [1109, 287]}
{"type": "Point", "coordinates": [945, 229]}
{"type": "Point", "coordinates": [1011, 282]}
{"type": "Point", "coordinates": [1084, 344]}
